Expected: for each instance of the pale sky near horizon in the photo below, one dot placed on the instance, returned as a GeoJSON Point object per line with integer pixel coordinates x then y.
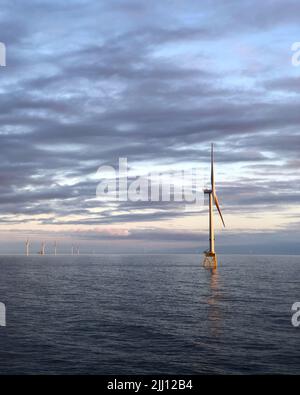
{"type": "Point", "coordinates": [88, 82]}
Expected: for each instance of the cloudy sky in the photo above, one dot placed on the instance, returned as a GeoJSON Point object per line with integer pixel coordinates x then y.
{"type": "Point", "coordinates": [88, 82]}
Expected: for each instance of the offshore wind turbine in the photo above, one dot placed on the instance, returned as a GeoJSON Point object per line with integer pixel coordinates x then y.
{"type": "Point", "coordinates": [42, 252]}
{"type": "Point", "coordinates": [210, 257]}
{"type": "Point", "coordinates": [27, 244]}
{"type": "Point", "coordinates": [55, 247]}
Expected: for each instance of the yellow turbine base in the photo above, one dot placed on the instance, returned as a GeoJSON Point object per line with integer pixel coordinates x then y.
{"type": "Point", "coordinates": [210, 260]}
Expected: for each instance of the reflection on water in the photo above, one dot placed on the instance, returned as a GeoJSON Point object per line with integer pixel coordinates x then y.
{"type": "Point", "coordinates": [149, 314]}
{"type": "Point", "coordinates": [214, 310]}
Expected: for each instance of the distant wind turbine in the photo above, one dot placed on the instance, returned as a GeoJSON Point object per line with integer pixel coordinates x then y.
{"type": "Point", "coordinates": [27, 244]}
{"type": "Point", "coordinates": [42, 252]}
{"type": "Point", "coordinates": [210, 257]}
{"type": "Point", "coordinates": [55, 247]}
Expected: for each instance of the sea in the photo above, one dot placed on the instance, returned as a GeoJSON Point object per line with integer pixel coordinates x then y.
{"type": "Point", "coordinates": [149, 314]}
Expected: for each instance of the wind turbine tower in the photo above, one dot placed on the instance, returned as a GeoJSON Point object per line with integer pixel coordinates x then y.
{"type": "Point", "coordinates": [55, 248]}
{"type": "Point", "coordinates": [210, 257]}
{"type": "Point", "coordinates": [43, 248]}
{"type": "Point", "coordinates": [27, 244]}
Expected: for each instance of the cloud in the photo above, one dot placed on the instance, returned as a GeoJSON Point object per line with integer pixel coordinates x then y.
{"type": "Point", "coordinates": [90, 82]}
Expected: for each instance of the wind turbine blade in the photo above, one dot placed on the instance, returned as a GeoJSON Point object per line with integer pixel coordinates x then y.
{"type": "Point", "coordinates": [212, 170]}
{"type": "Point", "coordinates": [218, 207]}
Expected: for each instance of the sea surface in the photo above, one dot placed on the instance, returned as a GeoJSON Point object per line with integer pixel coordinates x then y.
{"type": "Point", "coordinates": [154, 314]}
